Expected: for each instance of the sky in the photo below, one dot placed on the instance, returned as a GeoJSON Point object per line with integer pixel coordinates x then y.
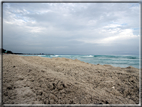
{"type": "Point", "coordinates": [72, 28]}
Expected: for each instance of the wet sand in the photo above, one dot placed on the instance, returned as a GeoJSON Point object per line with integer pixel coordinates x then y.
{"type": "Point", "coordinates": [38, 80]}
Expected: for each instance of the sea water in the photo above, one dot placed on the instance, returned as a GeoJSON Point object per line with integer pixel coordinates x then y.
{"type": "Point", "coordinates": [114, 60]}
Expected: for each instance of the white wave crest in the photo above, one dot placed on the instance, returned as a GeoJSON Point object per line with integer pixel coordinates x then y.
{"type": "Point", "coordinates": [88, 56]}
{"type": "Point", "coordinates": [41, 55]}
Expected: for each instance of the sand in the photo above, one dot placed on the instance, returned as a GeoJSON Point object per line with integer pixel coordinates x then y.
{"type": "Point", "coordinates": [38, 80]}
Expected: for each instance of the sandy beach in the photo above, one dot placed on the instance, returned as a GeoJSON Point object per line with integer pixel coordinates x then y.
{"type": "Point", "coordinates": [38, 80]}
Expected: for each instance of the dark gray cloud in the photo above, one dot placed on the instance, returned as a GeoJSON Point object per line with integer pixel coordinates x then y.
{"type": "Point", "coordinates": [72, 28]}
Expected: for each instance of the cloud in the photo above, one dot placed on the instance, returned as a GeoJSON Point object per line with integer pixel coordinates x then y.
{"type": "Point", "coordinates": [71, 27]}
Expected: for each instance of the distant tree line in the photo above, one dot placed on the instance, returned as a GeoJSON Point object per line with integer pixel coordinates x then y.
{"type": "Point", "coordinates": [6, 51]}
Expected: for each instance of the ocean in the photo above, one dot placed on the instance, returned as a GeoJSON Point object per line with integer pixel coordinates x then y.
{"type": "Point", "coordinates": [114, 60]}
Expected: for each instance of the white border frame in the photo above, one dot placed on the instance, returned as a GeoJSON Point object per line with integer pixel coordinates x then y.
{"type": "Point", "coordinates": [75, 1]}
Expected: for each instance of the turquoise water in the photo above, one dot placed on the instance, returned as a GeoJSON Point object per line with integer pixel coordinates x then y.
{"type": "Point", "coordinates": [114, 60]}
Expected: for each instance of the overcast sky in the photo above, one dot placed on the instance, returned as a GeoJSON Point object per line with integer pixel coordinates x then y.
{"type": "Point", "coordinates": [72, 28]}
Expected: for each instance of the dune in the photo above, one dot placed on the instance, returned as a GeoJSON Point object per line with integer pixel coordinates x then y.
{"type": "Point", "coordinates": [39, 80]}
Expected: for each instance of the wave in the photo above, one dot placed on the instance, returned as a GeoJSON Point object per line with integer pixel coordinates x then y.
{"type": "Point", "coordinates": [108, 56]}
{"type": "Point", "coordinates": [88, 56]}
{"type": "Point", "coordinates": [95, 56]}
{"type": "Point", "coordinates": [102, 57]}
{"type": "Point", "coordinates": [113, 56]}
{"type": "Point", "coordinates": [41, 55]}
{"type": "Point", "coordinates": [131, 57]}
{"type": "Point", "coordinates": [54, 55]}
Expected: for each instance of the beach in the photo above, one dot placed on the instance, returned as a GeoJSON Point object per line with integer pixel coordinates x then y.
{"type": "Point", "coordinates": [39, 80]}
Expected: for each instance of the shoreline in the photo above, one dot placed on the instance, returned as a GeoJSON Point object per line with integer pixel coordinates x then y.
{"type": "Point", "coordinates": [39, 80]}
{"type": "Point", "coordinates": [82, 60]}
